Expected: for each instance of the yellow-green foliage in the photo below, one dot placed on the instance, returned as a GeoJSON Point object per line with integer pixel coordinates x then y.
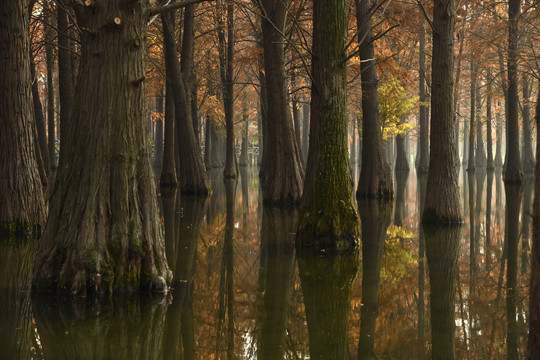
{"type": "Point", "coordinates": [395, 105]}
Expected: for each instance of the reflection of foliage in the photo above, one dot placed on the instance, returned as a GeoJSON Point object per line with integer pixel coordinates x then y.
{"type": "Point", "coordinates": [399, 259]}
{"type": "Point", "coordinates": [395, 105]}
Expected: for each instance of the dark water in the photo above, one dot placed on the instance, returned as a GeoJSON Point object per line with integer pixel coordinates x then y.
{"type": "Point", "coordinates": [242, 292]}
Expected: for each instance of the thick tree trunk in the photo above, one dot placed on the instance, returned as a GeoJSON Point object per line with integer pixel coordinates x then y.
{"type": "Point", "coordinates": [104, 233]}
{"type": "Point", "coordinates": [528, 158]}
{"type": "Point", "coordinates": [207, 143]}
{"type": "Point", "coordinates": [423, 156]}
{"type": "Point", "coordinates": [190, 170]}
{"type": "Point", "coordinates": [215, 143]}
{"type": "Point", "coordinates": [263, 128]}
{"type": "Point", "coordinates": [282, 172]}
{"type": "Point", "coordinates": [533, 345]}
{"type": "Point", "coordinates": [49, 56]}
{"type": "Point", "coordinates": [375, 217]}
{"type": "Point", "coordinates": [39, 123]}
{"type": "Point", "coordinates": [22, 206]}
{"type": "Point", "coordinates": [328, 217]}
{"type": "Point", "coordinates": [514, 171]}
{"type": "Point", "coordinates": [442, 196]}
{"type": "Point", "coordinates": [326, 285]}
{"type": "Point", "coordinates": [375, 175]}
{"type": "Point", "coordinates": [65, 70]}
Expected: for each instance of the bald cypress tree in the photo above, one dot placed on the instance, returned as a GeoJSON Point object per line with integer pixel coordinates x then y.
{"type": "Point", "coordinates": [104, 232]}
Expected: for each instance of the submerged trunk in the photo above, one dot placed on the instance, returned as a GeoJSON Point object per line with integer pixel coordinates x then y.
{"type": "Point", "coordinates": [22, 206]}
{"type": "Point", "coordinates": [328, 217]}
{"type": "Point", "coordinates": [281, 170]}
{"type": "Point", "coordinates": [442, 196]}
{"type": "Point", "coordinates": [114, 241]}
{"type": "Point", "coordinates": [375, 175]}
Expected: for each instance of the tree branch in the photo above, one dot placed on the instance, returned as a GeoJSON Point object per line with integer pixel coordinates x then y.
{"type": "Point", "coordinates": [174, 6]}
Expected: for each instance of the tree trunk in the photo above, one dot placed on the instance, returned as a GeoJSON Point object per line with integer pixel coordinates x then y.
{"type": "Point", "coordinates": [215, 143]}
{"type": "Point", "coordinates": [514, 171]}
{"type": "Point", "coordinates": [375, 175]}
{"type": "Point", "coordinates": [423, 158]}
{"type": "Point", "coordinates": [207, 143]}
{"type": "Point", "coordinates": [442, 196]}
{"type": "Point", "coordinates": [489, 137]}
{"type": "Point", "coordinates": [282, 172]}
{"type": "Point", "coordinates": [226, 65]}
{"type": "Point", "coordinates": [39, 123]}
{"type": "Point", "coordinates": [328, 217]}
{"type": "Point", "coordinates": [480, 158]}
{"type": "Point", "coordinates": [533, 345]}
{"type": "Point", "coordinates": [456, 96]}
{"type": "Point", "coordinates": [190, 170]}
{"type": "Point", "coordinates": [263, 130]}
{"type": "Point", "coordinates": [22, 206]}
{"type": "Point", "coordinates": [49, 56]}
{"type": "Point", "coordinates": [65, 70]}
{"type": "Point", "coordinates": [471, 165]}
{"type": "Point", "coordinates": [158, 157]}
{"type": "Point", "coordinates": [305, 131]}
{"type": "Point", "coordinates": [244, 152]}
{"type": "Point", "coordinates": [528, 158]}
{"type": "Point", "coordinates": [168, 168]}
{"type": "Point", "coordinates": [104, 233]}
{"type": "Point", "coordinates": [499, 134]}
{"type": "Point", "coordinates": [402, 160]}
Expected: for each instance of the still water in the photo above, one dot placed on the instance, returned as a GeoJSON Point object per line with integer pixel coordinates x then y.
{"type": "Point", "coordinates": [241, 291]}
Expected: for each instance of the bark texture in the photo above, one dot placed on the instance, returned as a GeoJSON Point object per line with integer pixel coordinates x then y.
{"type": "Point", "coordinates": [328, 217]}
{"type": "Point", "coordinates": [528, 158]}
{"type": "Point", "coordinates": [423, 155]}
{"type": "Point", "coordinates": [514, 170]}
{"type": "Point", "coordinates": [104, 233]}
{"type": "Point", "coordinates": [281, 171]}
{"type": "Point", "coordinates": [22, 205]}
{"type": "Point", "coordinates": [442, 196]}
{"type": "Point", "coordinates": [375, 174]}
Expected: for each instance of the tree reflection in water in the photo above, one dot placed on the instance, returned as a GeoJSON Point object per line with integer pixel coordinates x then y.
{"type": "Point", "coordinates": [442, 248]}
{"type": "Point", "coordinates": [326, 279]}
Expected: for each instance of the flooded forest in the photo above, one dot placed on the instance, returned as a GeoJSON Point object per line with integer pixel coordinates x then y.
{"type": "Point", "coordinates": [269, 179]}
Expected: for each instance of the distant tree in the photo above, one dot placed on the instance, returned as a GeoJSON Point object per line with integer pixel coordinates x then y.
{"type": "Point", "coordinates": [22, 205]}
